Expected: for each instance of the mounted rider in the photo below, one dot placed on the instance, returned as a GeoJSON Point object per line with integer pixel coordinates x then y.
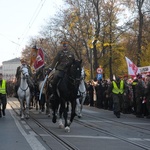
{"type": "Point", "coordinates": [61, 63]}
{"type": "Point", "coordinates": [23, 62]}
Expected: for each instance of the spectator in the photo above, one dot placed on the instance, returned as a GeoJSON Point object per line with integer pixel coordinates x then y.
{"type": "Point", "coordinates": [3, 95]}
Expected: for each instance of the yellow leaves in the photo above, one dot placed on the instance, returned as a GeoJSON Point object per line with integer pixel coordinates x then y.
{"type": "Point", "coordinates": [90, 43]}
{"type": "Point", "coordinates": [73, 20]}
{"type": "Point", "coordinates": [98, 43]}
{"type": "Point", "coordinates": [106, 44]}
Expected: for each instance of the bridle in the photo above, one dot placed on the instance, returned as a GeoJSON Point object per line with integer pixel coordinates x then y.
{"type": "Point", "coordinates": [25, 75]}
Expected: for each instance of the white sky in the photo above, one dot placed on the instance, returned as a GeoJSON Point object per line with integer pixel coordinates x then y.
{"type": "Point", "coordinates": [20, 20]}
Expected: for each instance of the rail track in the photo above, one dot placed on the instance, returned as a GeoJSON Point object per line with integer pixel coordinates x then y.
{"type": "Point", "coordinates": [93, 122]}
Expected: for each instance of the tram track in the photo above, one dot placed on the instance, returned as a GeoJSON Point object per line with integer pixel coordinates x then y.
{"type": "Point", "coordinates": [93, 126]}
{"type": "Point", "coordinates": [63, 142]}
{"type": "Point", "coordinates": [115, 121]}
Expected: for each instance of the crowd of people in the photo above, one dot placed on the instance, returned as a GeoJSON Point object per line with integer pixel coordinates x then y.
{"type": "Point", "coordinates": [121, 95]}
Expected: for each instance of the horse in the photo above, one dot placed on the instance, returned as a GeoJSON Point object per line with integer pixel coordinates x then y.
{"type": "Point", "coordinates": [24, 92]}
{"type": "Point", "coordinates": [42, 96]}
{"type": "Point", "coordinates": [40, 90]}
{"type": "Point", "coordinates": [67, 90]}
{"type": "Point", "coordinates": [81, 94]}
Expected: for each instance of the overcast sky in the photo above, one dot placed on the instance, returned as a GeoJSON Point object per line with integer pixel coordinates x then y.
{"type": "Point", "coordinates": [21, 19]}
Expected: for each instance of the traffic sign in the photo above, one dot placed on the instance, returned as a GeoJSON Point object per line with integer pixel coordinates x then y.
{"type": "Point", "coordinates": [99, 76]}
{"type": "Point", "coordinates": [99, 70]}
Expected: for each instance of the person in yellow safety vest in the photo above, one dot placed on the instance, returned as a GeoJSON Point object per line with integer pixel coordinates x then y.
{"type": "Point", "coordinates": [3, 95]}
{"type": "Point", "coordinates": [117, 89]}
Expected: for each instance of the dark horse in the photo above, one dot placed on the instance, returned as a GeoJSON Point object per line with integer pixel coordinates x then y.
{"type": "Point", "coordinates": [67, 93]}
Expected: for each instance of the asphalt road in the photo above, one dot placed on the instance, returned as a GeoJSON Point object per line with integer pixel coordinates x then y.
{"type": "Point", "coordinates": [97, 129]}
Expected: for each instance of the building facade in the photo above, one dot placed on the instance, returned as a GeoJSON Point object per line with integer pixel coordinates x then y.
{"type": "Point", "coordinates": [9, 68]}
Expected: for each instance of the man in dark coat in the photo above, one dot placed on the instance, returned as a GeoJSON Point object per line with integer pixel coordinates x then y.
{"type": "Point", "coordinates": [147, 95]}
{"type": "Point", "coordinates": [139, 94]}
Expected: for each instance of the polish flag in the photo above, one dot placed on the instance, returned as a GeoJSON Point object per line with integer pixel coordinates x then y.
{"type": "Point", "coordinates": [39, 62]}
{"type": "Point", "coordinates": [132, 68]}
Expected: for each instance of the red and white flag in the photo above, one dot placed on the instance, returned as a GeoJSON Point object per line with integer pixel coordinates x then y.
{"type": "Point", "coordinates": [39, 62]}
{"type": "Point", "coordinates": [132, 68]}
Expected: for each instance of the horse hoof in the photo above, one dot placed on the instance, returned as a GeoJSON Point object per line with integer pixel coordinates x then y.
{"type": "Point", "coordinates": [54, 119]}
{"type": "Point", "coordinates": [27, 117]}
{"type": "Point", "coordinates": [67, 129]}
{"type": "Point", "coordinates": [61, 126]}
{"type": "Point", "coordinates": [69, 122]}
{"type": "Point", "coordinates": [22, 118]}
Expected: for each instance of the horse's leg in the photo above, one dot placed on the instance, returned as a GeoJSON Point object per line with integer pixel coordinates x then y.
{"type": "Point", "coordinates": [55, 105]}
{"type": "Point", "coordinates": [40, 104]}
{"type": "Point", "coordinates": [27, 107]}
{"type": "Point", "coordinates": [73, 111]}
{"type": "Point", "coordinates": [82, 103]}
{"type": "Point", "coordinates": [43, 102]}
{"type": "Point", "coordinates": [48, 106]}
{"type": "Point", "coordinates": [21, 109]}
{"type": "Point", "coordinates": [64, 107]}
{"type": "Point", "coordinates": [37, 102]}
{"type": "Point", "coordinates": [31, 101]}
{"type": "Point", "coordinates": [78, 107]}
{"type": "Point", "coordinates": [60, 122]}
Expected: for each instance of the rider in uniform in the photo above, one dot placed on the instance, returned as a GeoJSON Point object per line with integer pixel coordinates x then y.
{"type": "Point", "coordinates": [18, 74]}
{"type": "Point", "coordinates": [61, 63]}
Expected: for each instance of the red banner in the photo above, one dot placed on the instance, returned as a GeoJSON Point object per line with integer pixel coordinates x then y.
{"type": "Point", "coordinates": [39, 62]}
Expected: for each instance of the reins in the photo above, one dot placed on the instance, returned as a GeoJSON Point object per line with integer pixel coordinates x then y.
{"type": "Point", "coordinates": [24, 77]}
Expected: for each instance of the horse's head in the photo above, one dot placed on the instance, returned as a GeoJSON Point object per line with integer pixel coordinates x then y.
{"type": "Point", "coordinates": [24, 71]}
{"type": "Point", "coordinates": [75, 70]}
